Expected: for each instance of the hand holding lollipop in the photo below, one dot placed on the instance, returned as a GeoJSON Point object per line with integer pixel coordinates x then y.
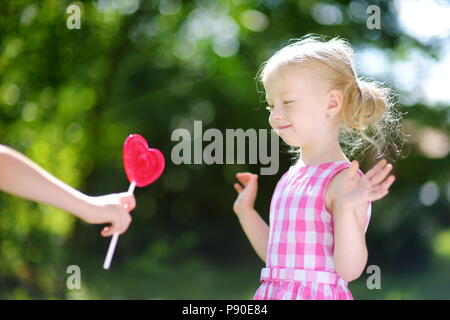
{"type": "Point", "coordinates": [142, 166]}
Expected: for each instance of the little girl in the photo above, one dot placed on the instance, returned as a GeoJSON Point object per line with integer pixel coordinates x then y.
{"type": "Point", "coordinates": [321, 206]}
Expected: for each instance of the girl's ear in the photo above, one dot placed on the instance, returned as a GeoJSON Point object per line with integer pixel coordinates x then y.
{"type": "Point", "coordinates": [334, 102]}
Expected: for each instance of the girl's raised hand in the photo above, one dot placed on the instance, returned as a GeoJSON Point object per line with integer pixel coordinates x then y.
{"type": "Point", "coordinates": [355, 190]}
{"type": "Point", "coordinates": [247, 194]}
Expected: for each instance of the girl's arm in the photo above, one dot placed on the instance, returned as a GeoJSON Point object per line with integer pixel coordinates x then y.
{"type": "Point", "coordinates": [22, 177]}
{"type": "Point", "coordinates": [350, 204]}
{"type": "Point", "coordinates": [350, 251]}
{"type": "Point", "coordinates": [255, 228]}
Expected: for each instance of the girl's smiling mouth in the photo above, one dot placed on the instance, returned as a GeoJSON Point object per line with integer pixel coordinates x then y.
{"type": "Point", "coordinates": [284, 127]}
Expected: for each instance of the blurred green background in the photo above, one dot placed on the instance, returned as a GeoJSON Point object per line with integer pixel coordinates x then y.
{"type": "Point", "coordinates": [69, 98]}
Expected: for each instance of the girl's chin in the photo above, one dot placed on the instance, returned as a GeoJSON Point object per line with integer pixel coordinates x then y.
{"type": "Point", "coordinates": [290, 142]}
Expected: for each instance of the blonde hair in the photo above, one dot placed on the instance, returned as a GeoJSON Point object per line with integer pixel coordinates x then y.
{"type": "Point", "coordinates": [368, 110]}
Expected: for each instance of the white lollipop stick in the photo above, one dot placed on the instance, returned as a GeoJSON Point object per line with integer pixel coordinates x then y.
{"type": "Point", "coordinates": [115, 237]}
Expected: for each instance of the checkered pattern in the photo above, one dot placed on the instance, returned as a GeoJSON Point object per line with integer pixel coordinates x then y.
{"type": "Point", "coordinates": [301, 242]}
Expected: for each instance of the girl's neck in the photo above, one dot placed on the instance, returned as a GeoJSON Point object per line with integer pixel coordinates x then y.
{"type": "Point", "coordinates": [309, 158]}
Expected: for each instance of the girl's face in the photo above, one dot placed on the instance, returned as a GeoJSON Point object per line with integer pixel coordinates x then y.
{"type": "Point", "coordinates": [297, 99]}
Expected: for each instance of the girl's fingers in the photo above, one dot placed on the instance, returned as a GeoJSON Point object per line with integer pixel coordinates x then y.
{"type": "Point", "coordinates": [124, 226]}
{"type": "Point", "coordinates": [376, 169]}
{"type": "Point", "coordinates": [106, 232]}
{"type": "Point", "coordinates": [248, 180]}
{"type": "Point", "coordinates": [381, 175]}
{"type": "Point", "coordinates": [382, 190]}
{"type": "Point", "coordinates": [238, 188]}
{"type": "Point", "coordinates": [388, 182]}
{"type": "Point", "coordinates": [253, 184]}
{"type": "Point", "coordinates": [243, 174]}
{"type": "Point", "coordinates": [129, 202]}
{"type": "Point", "coordinates": [377, 195]}
{"type": "Point", "coordinates": [354, 168]}
{"type": "Point", "coordinates": [126, 205]}
{"type": "Point", "coordinates": [132, 202]}
{"type": "Point", "coordinates": [125, 222]}
{"type": "Point", "coordinates": [243, 177]}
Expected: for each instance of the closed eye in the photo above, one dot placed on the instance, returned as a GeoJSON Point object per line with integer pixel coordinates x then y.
{"type": "Point", "coordinates": [269, 107]}
{"type": "Point", "coordinates": [289, 101]}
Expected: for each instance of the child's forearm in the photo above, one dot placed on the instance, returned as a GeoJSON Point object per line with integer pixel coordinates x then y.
{"type": "Point", "coordinates": [257, 231]}
{"type": "Point", "coordinates": [22, 177]}
{"type": "Point", "coordinates": [350, 251]}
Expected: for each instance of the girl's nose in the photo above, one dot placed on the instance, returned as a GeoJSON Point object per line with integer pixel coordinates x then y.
{"type": "Point", "coordinates": [276, 114]}
{"type": "Point", "coordinates": [275, 118]}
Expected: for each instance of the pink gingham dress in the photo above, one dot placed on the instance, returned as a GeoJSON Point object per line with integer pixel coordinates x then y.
{"type": "Point", "coordinates": [299, 263]}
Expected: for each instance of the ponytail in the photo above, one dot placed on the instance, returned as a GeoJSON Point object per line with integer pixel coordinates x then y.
{"type": "Point", "coordinates": [364, 103]}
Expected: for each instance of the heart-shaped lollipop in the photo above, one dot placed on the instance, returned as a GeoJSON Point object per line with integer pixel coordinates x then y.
{"type": "Point", "coordinates": [142, 167]}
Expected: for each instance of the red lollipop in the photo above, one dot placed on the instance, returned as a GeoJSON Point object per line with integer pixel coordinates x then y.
{"type": "Point", "coordinates": [143, 165]}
